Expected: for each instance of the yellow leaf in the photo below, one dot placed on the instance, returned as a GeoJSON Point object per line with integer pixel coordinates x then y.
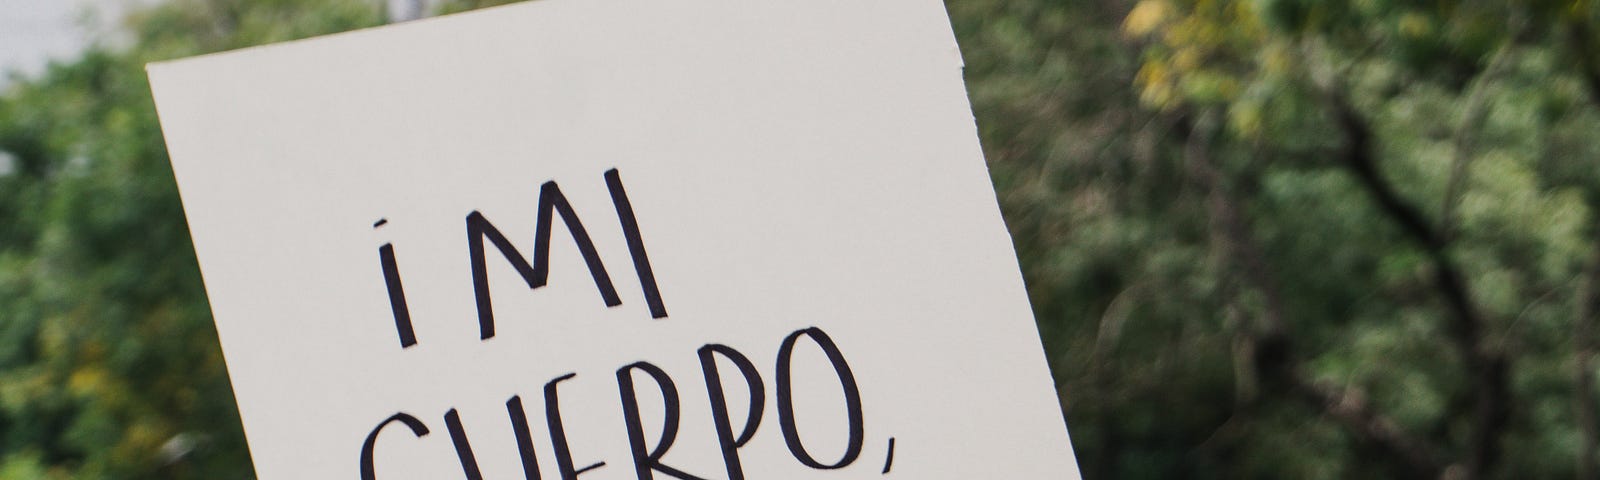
{"type": "Point", "coordinates": [86, 381]}
{"type": "Point", "coordinates": [1146, 17]}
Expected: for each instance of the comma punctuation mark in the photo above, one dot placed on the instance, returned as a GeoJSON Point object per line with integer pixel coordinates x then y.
{"type": "Point", "coordinates": [889, 462]}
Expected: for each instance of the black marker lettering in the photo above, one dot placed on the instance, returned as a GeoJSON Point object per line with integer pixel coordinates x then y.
{"type": "Point", "coordinates": [458, 436]}
{"type": "Point", "coordinates": [519, 425]}
{"type": "Point", "coordinates": [889, 462]}
{"type": "Point", "coordinates": [397, 296]}
{"type": "Point", "coordinates": [558, 434]}
{"type": "Point", "coordinates": [630, 229]}
{"type": "Point", "coordinates": [719, 404]}
{"type": "Point", "coordinates": [536, 274]}
{"type": "Point", "coordinates": [648, 461]}
{"type": "Point", "coordinates": [368, 472]}
{"type": "Point", "coordinates": [852, 398]}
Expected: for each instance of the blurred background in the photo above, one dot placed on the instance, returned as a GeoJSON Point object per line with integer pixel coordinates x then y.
{"type": "Point", "coordinates": [1263, 238]}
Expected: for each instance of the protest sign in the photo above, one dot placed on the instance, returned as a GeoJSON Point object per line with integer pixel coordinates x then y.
{"type": "Point", "coordinates": [610, 239]}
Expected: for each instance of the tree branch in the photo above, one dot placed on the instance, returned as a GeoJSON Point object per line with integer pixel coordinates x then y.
{"type": "Point", "coordinates": [1488, 369]}
{"type": "Point", "coordinates": [1350, 407]}
{"type": "Point", "coordinates": [1581, 40]}
{"type": "Point", "coordinates": [1583, 401]}
{"type": "Point", "coordinates": [1272, 358]}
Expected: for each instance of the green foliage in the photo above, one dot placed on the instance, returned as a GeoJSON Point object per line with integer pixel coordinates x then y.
{"type": "Point", "coordinates": [1090, 115]}
{"type": "Point", "coordinates": [109, 366]}
{"type": "Point", "coordinates": [1101, 121]}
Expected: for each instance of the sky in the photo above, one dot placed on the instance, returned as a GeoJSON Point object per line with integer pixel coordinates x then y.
{"type": "Point", "coordinates": [34, 31]}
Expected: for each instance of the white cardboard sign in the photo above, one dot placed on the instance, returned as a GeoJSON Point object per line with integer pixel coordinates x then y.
{"type": "Point", "coordinates": [613, 239]}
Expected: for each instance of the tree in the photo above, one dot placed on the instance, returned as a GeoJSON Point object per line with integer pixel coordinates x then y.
{"type": "Point", "coordinates": [109, 366]}
{"type": "Point", "coordinates": [1263, 239]}
{"type": "Point", "coordinates": [1393, 218]}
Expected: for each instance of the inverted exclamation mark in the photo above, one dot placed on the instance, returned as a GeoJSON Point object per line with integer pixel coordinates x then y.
{"type": "Point", "coordinates": [397, 292]}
